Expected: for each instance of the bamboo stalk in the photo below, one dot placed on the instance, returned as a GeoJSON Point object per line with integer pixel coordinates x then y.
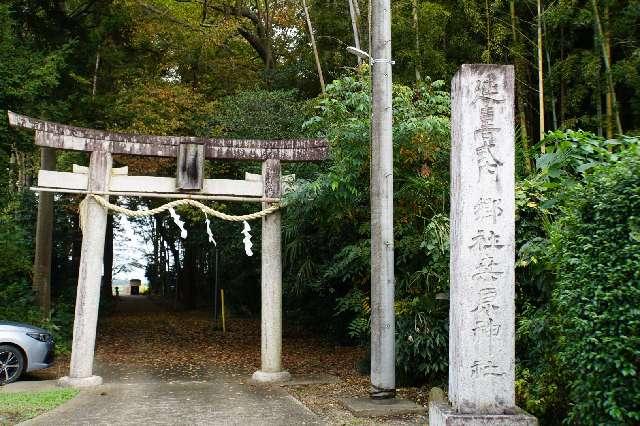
{"type": "Point", "coordinates": [354, 24]}
{"type": "Point", "coordinates": [313, 45]}
{"type": "Point", "coordinates": [520, 73]}
{"type": "Point", "coordinates": [607, 66]}
{"type": "Point", "coordinates": [416, 30]}
{"type": "Point", "coordinates": [540, 77]}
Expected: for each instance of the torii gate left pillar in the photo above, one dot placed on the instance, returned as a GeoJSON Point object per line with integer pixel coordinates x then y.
{"type": "Point", "coordinates": [94, 227]}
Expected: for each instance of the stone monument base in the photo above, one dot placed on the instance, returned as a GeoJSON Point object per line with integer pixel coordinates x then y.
{"type": "Point", "coordinates": [442, 414]}
{"type": "Point", "coordinates": [80, 382]}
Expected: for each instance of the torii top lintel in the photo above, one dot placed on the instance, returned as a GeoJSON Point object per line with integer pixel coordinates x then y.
{"type": "Point", "coordinates": [55, 135]}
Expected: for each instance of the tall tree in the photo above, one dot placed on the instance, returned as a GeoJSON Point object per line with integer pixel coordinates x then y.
{"type": "Point", "coordinates": [354, 13]}
{"type": "Point", "coordinates": [520, 68]}
{"type": "Point", "coordinates": [313, 45]}
{"type": "Point", "coordinates": [611, 91]}
{"type": "Point", "coordinates": [416, 29]}
{"type": "Point", "coordinates": [540, 74]}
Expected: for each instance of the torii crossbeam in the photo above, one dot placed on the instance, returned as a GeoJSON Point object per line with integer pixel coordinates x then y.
{"type": "Point", "coordinates": [100, 178]}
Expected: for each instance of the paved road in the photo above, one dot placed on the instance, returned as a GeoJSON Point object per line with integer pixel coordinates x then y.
{"type": "Point", "coordinates": [184, 403]}
{"type": "Point", "coordinates": [139, 396]}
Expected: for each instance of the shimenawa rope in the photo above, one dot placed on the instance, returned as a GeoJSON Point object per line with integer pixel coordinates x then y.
{"type": "Point", "coordinates": [142, 213]}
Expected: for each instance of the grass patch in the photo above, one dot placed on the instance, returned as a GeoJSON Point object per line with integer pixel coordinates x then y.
{"type": "Point", "coordinates": [20, 406]}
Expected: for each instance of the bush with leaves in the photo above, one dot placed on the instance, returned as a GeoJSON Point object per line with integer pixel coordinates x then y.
{"type": "Point", "coordinates": [543, 202]}
{"type": "Point", "coordinates": [17, 299]}
{"type": "Point", "coordinates": [596, 248]}
{"type": "Point", "coordinates": [327, 223]}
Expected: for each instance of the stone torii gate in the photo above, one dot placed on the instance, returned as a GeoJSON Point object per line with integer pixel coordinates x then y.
{"type": "Point", "coordinates": [100, 179]}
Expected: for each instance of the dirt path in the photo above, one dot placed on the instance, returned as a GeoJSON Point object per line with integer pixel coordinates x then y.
{"type": "Point", "coordinates": [169, 366]}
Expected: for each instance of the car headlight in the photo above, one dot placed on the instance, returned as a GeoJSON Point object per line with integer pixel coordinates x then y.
{"type": "Point", "coordinates": [43, 337]}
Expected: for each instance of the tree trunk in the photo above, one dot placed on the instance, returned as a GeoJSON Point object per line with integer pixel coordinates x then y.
{"type": "Point", "coordinates": [540, 77]}
{"type": "Point", "coordinates": [520, 73]}
{"type": "Point", "coordinates": [607, 66]}
{"type": "Point", "coordinates": [95, 74]}
{"type": "Point", "coordinates": [609, 98]}
{"type": "Point", "coordinates": [268, 36]}
{"type": "Point", "coordinates": [488, 19]}
{"type": "Point", "coordinates": [76, 247]}
{"type": "Point", "coordinates": [107, 258]}
{"type": "Point", "coordinates": [597, 99]}
{"type": "Point", "coordinates": [354, 25]}
{"type": "Point", "coordinates": [44, 238]}
{"type": "Point", "coordinates": [155, 279]}
{"type": "Point", "coordinates": [416, 30]}
{"type": "Point", "coordinates": [553, 98]}
{"type": "Point", "coordinates": [187, 278]}
{"type": "Point", "coordinates": [313, 45]}
{"type": "Point", "coordinates": [563, 86]}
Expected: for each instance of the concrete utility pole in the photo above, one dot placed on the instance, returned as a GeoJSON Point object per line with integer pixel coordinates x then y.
{"type": "Point", "coordinates": [383, 360]}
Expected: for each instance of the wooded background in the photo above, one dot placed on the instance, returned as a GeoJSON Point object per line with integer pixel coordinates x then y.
{"type": "Point", "coordinates": [276, 69]}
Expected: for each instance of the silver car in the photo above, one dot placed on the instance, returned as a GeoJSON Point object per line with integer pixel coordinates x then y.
{"type": "Point", "coordinates": [23, 347]}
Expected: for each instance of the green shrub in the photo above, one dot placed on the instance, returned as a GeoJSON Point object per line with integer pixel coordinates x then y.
{"type": "Point", "coordinates": [17, 298]}
{"type": "Point", "coordinates": [544, 201]}
{"type": "Point", "coordinates": [421, 340]}
{"type": "Point", "coordinates": [17, 303]}
{"type": "Point", "coordinates": [596, 302]}
{"type": "Point", "coordinates": [327, 224]}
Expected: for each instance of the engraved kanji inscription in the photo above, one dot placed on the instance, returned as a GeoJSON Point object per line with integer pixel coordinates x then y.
{"type": "Point", "coordinates": [486, 328]}
{"type": "Point", "coordinates": [487, 161]}
{"type": "Point", "coordinates": [488, 208]}
{"type": "Point", "coordinates": [487, 368]}
{"type": "Point", "coordinates": [487, 302]}
{"type": "Point", "coordinates": [487, 270]}
{"type": "Point", "coordinates": [486, 91]}
{"type": "Point", "coordinates": [485, 240]}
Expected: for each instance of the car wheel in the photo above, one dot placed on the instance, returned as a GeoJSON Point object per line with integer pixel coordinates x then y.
{"type": "Point", "coordinates": [11, 364]}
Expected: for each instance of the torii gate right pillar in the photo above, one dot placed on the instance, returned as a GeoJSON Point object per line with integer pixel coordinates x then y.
{"type": "Point", "coordinates": [271, 317]}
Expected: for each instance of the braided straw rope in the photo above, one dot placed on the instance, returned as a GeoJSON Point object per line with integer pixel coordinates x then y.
{"type": "Point", "coordinates": [142, 213]}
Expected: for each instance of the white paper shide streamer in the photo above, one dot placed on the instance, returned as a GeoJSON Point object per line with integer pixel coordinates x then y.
{"type": "Point", "coordinates": [179, 222]}
{"type": "Point", "coordinates": [247, 239]}
{"type": "Point", "coordinates": [209, 233]}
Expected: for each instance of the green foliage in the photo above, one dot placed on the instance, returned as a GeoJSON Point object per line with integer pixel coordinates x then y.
{"type": "Point", "coordinates": [421, 339]}
{"type": "Point", "coordinates": [327, 221]}
{"type": "Point", "coordinates": [17, 300]}
{"type": "Point", "coordinates": [547, 205]}
{"type": "Point", "coordinates": [596, 248]}
{"type": "Point", "coordinates": [265, 114]}
{"type": "Point", "coordinates": [163, 109]}
{"type": "Point", "coordinates": [569, 158]}
{"type": "Point", "coordinates": [569, 154]}
{"type": "Point", "coordinates": [17, 303]}
{"type": "Point", "coordinates": [15, 256]}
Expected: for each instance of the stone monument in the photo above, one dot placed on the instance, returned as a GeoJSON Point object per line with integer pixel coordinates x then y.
{"type": "Point", "coordinates": [482, 295]}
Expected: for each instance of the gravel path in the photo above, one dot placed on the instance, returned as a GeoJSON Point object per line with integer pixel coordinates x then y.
{"type": "Point", "coordinates": [165, 367]}
{"type": "Point", "coordinates": [145, 394]}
